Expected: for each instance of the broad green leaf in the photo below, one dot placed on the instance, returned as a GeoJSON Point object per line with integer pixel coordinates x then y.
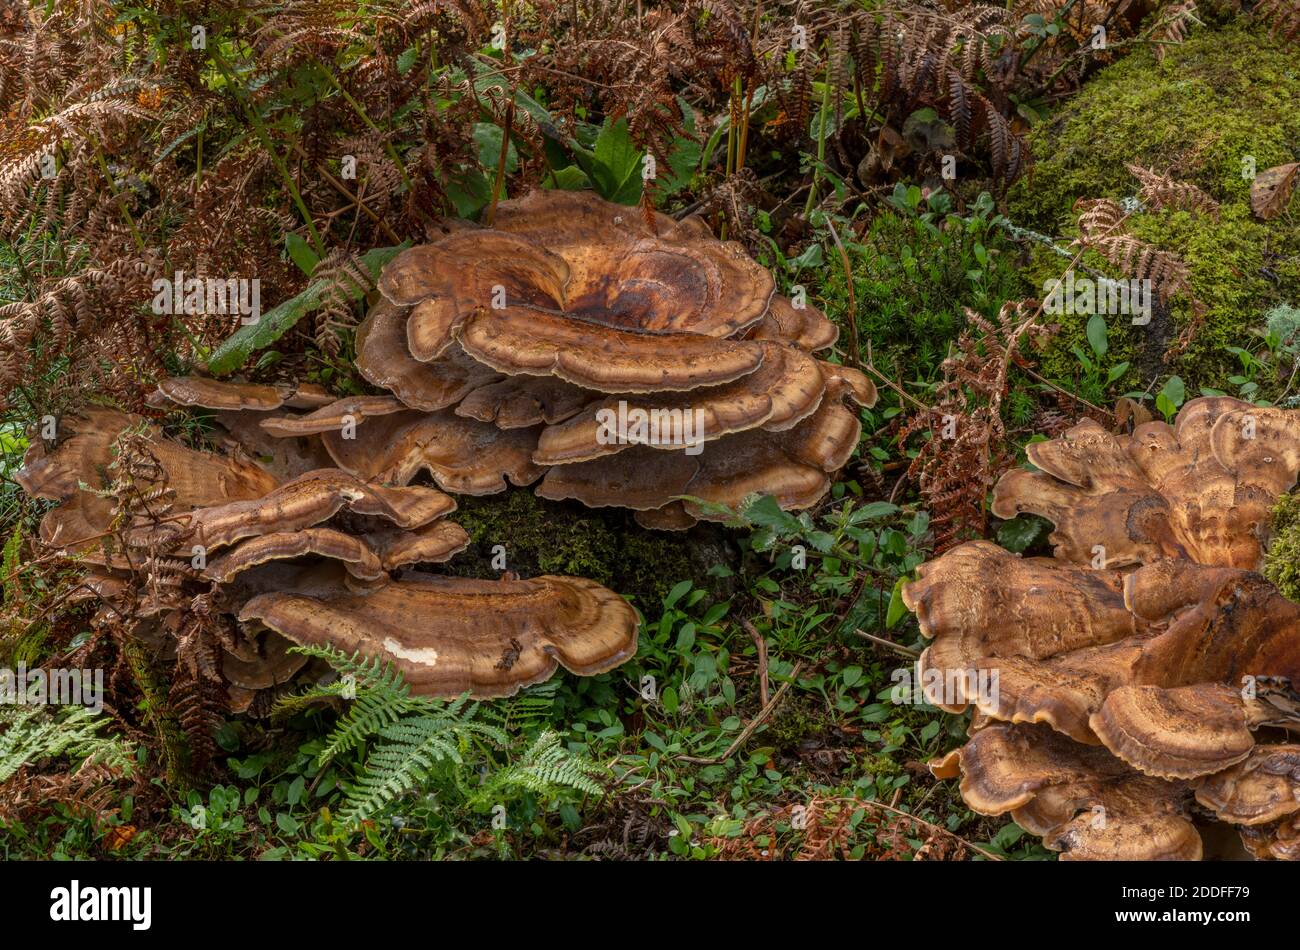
{"type": "Point", "coordinates": [677, 593]}
{"type": "Point", "coordinates": [1174, 390]}
{"type": "Point", "coordinates": [897, 609]}
{"type": "Point", "coordinates": [487, 139]}
{"type": "Point", "coordinates": [619, 162]}
{"type": "Point", "coordinates": [300, 252]}
{"type": "Point", "coordinates": [273, 324]}
{"type": "Point", "coordinates": [469, 191]}
{"type": "Point", "coordinates": [570, 178]}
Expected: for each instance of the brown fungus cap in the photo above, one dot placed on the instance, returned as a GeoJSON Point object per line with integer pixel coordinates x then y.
{"type": "Point", "coordinates": [1081, 800]}
{"type": "Point", "coordinates": [324, 540]}
{"type": "Point", "coordinates": [285, 458]}
{"type": "Point", "coordinates": [450, 635]}
{"type": "Point", "coordinates": [1278, 841]}
{"type": "Point", "coordinates": [219, 394]}
{"type": "Point", "coordinates": [521, 339]}
{"type": "Point", "coordinates": [624, 273]}
{"type": "Point", "coordinates": [302, 503]}
{"type": "Point", "coordinates": [805, 327]}
{"type": "Point", "coordinates": [268, 665]}
{"type": "Point", "coordinates": [570, 306]}
{"type": "Point", "coordinates": [519, 402]}
{"type": "Point", "coordinates": [1260, 445]}
{"type": "Point", "coordinates": [89, 442]}
{"type": "Point", "coordinates": [349, 550]}
{"type": "Point", "coordinates": [786, 389]}
{"type": "Point", "coordinates": [569, 285]}
{"type": "Point", "coordinates": [385, 361]}
{"type": "Point", "coordinates": [1261, 788]}
{"type": "Point", "coordinates": [367, 556]}
{"type": "Point", "coordinates": [1173, 658]}
{"type": "Point", "coordinates": [791, 466]}
{"type": "Point", "coordinates": [462, 455]}
{"type": "Point", "coordinates": [229, 395]}
{"type": "Point", "coordinates": [335, 417]}
{"type": "Point", "coordinates": [1160, 492]}
{"type": "Point", "coordinates": [1104, 657]}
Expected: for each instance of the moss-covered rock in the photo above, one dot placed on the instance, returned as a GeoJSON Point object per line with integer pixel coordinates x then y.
{"type": "Point", "coordinates": [1222, 97]}
{"type": "Point", "coordinates": [606, 545]}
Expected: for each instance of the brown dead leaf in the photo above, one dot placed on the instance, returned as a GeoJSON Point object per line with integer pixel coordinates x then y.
{"type": "Point", "coordinates": [119, 837]}
{"type": "Point", "coordinates": [1271, 190]}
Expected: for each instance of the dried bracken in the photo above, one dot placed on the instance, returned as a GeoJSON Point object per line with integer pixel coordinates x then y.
{"type": "Point", "coordinates": [1101, 229]}
{"type": "Point", "coordinates": [964, 453]}
{"type": "Point", "coordinates": [631, 361]}
{"type": "Point", "coordinates": [1162, 191]}
{"type": "Point", "coordinates": [1152, 658]}
{"type": "Point", "coordinates": [227, 563]}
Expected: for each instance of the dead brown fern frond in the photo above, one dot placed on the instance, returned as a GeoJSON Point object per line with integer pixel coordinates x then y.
{"type": "Point", "coordinates": [346, 280]}
{"type": "Point", "coordinates": [1100, 228]}
{"type": "Point", "coordinates": [966, 449]}
{"type": "Point", "coordinates": [1162, 192]}
{"type": "Point", "coordinates": [1174, 26]}
{"type": "Point", "coordinates": [1282, 16]}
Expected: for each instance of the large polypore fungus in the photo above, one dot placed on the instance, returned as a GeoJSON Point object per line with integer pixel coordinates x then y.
{"type": "Point", "coordinates": [619, 360]}
{"type": "Point", "coordinates": [1146, 671]}
{"type": "Point", "coordinates": [243, 554]}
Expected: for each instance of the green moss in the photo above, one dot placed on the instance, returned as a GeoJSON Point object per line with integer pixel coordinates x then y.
{"type": "Point", "coordinates": [1223, 95]}
{"type": "Point", "coordinates": [543, 537]}
{"type": "Point", "coordinates": [912, 279]}
{"type": "Point", "coordinates": [1282, 560]}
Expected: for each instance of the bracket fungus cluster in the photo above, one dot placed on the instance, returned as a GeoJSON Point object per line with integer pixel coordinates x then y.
{"type": "Point", "coordinates": [1145, 677]}
{"type": "Point", "coordinates": [268, 544]}
{"type": "Point", "coordinates": [616, 360]}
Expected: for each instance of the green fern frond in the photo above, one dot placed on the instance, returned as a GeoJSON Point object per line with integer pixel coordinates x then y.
{"type": "Point", "coordinates": [379, 697]}
{"type": "Point", "coordinates": [13, 591]}
{"type": "Point", "coordinates": [546, 768]}
{"type": "Point", "coordinates": [34, 733]}
{"type": "Point", "coordinates": [407, 753]}
{"type": "Point", "coordinates": [528, 710]}
{"type": "Point", "coordinates": [409, 736]}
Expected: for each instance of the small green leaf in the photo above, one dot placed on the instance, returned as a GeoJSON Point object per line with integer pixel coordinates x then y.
{"type": "Point", "coordinates": [677, 593]}
{"type": "Point", "coordinates": [273, 324]}
{"type": "Point", "coordinates": [897, 609]}
{"type": "Point", "coordinates": [1097, 334]}
{"type": "Point", "coordinates": [300, 252]}
{"type": "Point", "coordinates": [1020, 532]}
{"type": "Point", "coordinates": [1174, 390]}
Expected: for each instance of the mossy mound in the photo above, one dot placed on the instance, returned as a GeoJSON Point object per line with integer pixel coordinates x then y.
{"type": "Point", "coordinates": [1282, 560]}
{"type": "Point", "coordinates": [1222, 97]}
{"type": "Point", "coordinates": [543, 537]}
{"type": "Point", "coordinates": [912, 279]}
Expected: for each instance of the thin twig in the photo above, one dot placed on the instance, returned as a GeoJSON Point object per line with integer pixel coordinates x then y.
{"type": "Point", "coordinates": [897, 647]}
{"type": "Point", "coordinates": [761, 645]}
{"type": "Point", "coordinates": [752, 725]}
{"type": "Point", "coordinates": [856, 355]}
